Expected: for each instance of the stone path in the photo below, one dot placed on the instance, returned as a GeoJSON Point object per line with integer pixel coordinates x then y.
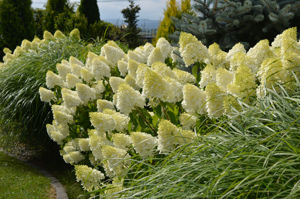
{"type": "Point", "coordinates": [59, 190]}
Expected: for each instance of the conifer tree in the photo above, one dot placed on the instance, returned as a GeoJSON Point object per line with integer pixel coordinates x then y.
{"type": "Point", "coordinates": [53, 9]}
{"type": "Point", "coordinates": [166, 26]}
{"type": "Point", "coordinates": [131, 14]}
{"type": "Point", "coordinates": [16, 22]}
{"type": "Point", "coordinates": [90, 10]}
{"type": "Point", "coordinates": [227, 22]}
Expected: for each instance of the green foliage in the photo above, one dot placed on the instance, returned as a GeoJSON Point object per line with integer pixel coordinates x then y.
{"type": "Point", "coordinates": [247, 21]}
{"type": "Point", "coordinates": [16, 22]}
{"type": "Point", "coordinates": [167, 26]}
{"type": "Point", "coordinates": [256, 155]}
{"type": "Point", "coordinates": [89, 8]}
{"type": "Point", "coordinates": [20, 79]}
{"type": "Point", "coordinates": [56, 10]}
{"type": "Point", "coordinates": [131, 14]}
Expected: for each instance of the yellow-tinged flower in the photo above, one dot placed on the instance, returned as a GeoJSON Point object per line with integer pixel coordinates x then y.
{"type": "Point", "coordinates": [163, 70]}
{"type": "Point", "coordinates": [215, 100]}
{"type": "Point", "coordinates": [241, 58]}
{"type": "Point", "coordinates": [121, 140]}
{"type": "Point", "coordinates": [70, 98]}
{"type": "Point", "coordinates": [194, 99]}
{"type": "Point", "coordinates": [62, 128]}
{"type": "Point", "coordinates": [120, 119]}
{"type": "Point", "coordinates": [174, 92]}
{"type": "Point", "coordinates": [132, 67]}
{"type": "Point", "coordinates": [47, 36]}
{"type": "Point", "coordinates": [90, 178]}
{"type": "Point", "coordinates": [185, 137]}
{"type": "Point", "coordinates": [155, 56]}
{"type": "Point", "coordinates": [76, 157]}
{"type": "Point", "coordinates": [140, 73]}
{"type": "Point", "coordinates": [155, 86]}
{"type": "Point", "coordinates": [76, 69]}
{"type": "Point", "coordinates": [62, 118]}
{"type": "Point", "coordinates": [144, 144]}
{"type": "Point", "coordinates": [53, 79]}
{"type": "Point", "coordinates": [231, 103]}
{"type": "Point", "coordinates": [118, 160]}
{"type": "Point", "coordinates": [84, 144]}
{"type": "Point", "coordinates": [184, 77]}
{"type": "Point", "coordinates": [99, 88]}
{"type": "Point", "coordinates": [100, 69]}
{"type": "Point", "coordinates": [122, 66]}
{"type": "Point", "coordinates": [259, 53]}
{"type": "Point", "coordinates": [115, 82]}
{"type": "Point", "coordinates": [85, 93]}
{"type": "Point", "coordinates": [113, 54]}
{"type": "Point", "coordinates": [72, 80]}
{"type": "Point", "coordinates": [148, 49]}
{"type": "Point", "coordinates": [102, 122]}
{"type": "Point", "coordinates": [86, 74]}
{"type": "Point", "coordinates": [104, 104]}
{"type": "Point", "coordinates": [90, 58]}
{"type": "Point", "coordinates": [63, 70]}
{"type": "Point", "coordinates": [208, 75]}
{"type": "Point", "coordinates": [74, 60]}
{"type": "Point", "coordinates": [131, 82]}
{"type": "Point", "coordinates": [194, 52]}
{"type": "Point", "coordinates": [67, 158]}
{"type": "Point", "coordinates": [185, 39]}
{"type": "Point", "coordinates": [54, 135]}
{"type": "Point", "coordinates": [18, 51]}
{"type": "Point", "coordinates": [46, 95]}
{"type": "Point", "coordinates": [59, 35]}
{"type": "Point", "coordinates": [127, 99]}
{"type": "Point", "coordinates": [223, 78]}
{"type": "Point", "coordinates": [96, 141]}
{"type": "Point", "coordinates": [165, 47]}
{"type": "Point", "coordinates": [26, 45]}
{"type": "Point", "coordinates": [237, 48]}
{"type": "Point", "coordinates": [113, 190]}
{"type": "Point", "coordinates": [167, 136]}
{"type": "Point", "coordinates": [217, 57]}
{"type": "Point", "coordinates": [136, 56]}
{"type": "Point", "coordinates": [187, 121]}
{"type": "Point", "coordinates": [75, 34]}
{"type": "Point", "coordinates": [243, 85]}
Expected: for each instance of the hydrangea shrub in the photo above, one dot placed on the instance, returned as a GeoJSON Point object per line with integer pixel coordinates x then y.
{"type": "Point", "coordinates": [120, 106]}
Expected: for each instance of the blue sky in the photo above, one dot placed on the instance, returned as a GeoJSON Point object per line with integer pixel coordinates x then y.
{"type": "Point", "coordinates": [150, 9]}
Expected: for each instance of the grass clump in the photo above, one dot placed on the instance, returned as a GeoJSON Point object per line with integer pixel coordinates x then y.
{"type": "Point", "coordinates": [21, 111]}
{"type": "Point", "coordinates": [256, 155]}
{"type": "Point", "coordinates": [20, 181]}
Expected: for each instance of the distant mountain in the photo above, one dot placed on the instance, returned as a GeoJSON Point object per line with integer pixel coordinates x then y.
{"type": "Point", "coordinates": [145, 24]}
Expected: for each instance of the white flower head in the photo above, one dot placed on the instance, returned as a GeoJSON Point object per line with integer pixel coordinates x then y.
{"type": "Point", "coordinates": [223, 78]}
{"type": "Point", "coordinates": [104, 104]}
{"type": "Point", "coordinates": [136, 56]}
{"type": "Point", "coordinates": [76, 69]}
{"type": "Point", "coordinates": [140, 72]}
{"type": "Point", "coordinates": [163, 70]}
{"type": "Point", "coordinates": [122, 66]}
{"type": "Point", "coordinates": [183, 76]}
{"type": "Point", "coordinates": [86, 74]}
{"type": "Point", "coordinates": [113, 54]}
{"type": "Point", "coordinates": [132, 67]}
{"type": "Point", "coordinates": [131, 82]}
{"type": "Point", "coordinates": [215, 100]}
{"type": "Point", "coordinates": [143, 143]}
{"type": "Point", "coordinates": [187, 121]}
{"type": "Point", "coordinates": [127, 99]}
{"type": "Point", "coordinates": [208, 75]}
{"type": "Point", "coordinates": [74, 60]}
{"type": "Point", "coordinates": [115, 82]}
{"type": "Point", "coordinates": [194, 99]}
{"type": "Point", "coordinates": [84, 144]}
{"type": "Point", "coordinates": [121, 140]}
{"type": "Point", "coordinates": [121, 120]}
{"type": "Point", "coordinates": [46, 95]}
{"type": "Point", "coordinates": [70, 98]}
{"type": "Point", "coordinates": [164, 46]}
{"type": "Point", "coordinates": [53, 79]}
{"type": "Point", "coordinates": [155, 56]}
{"type": "Point", "coordinates": [100, 69]}
{"type": "Point", "coordinates": [76, 157]}
{"type": "Point", "coordinates": [235, 49]}
{"type": "Point", "coordinates": [62, 117]}
{"type": "Point", "coordinates": [72, 80]}
{"type": "Point", "coordinates": [148, 49]}
{"type": "Point", "coordinates": [102, 122]}
{"type": "Point", "coordinates": [90, 178]}
{"type": "Point", "coordinates": [85, 93]}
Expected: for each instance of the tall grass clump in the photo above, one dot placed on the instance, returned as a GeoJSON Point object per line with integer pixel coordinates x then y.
{"type": "Point", "coordinates": [21, 75]}
{"type": "Point", "coordinates": [255, 156]}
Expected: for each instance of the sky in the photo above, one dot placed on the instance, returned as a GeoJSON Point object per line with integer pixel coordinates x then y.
{"type": "Point", "coordinates": [111, 9]}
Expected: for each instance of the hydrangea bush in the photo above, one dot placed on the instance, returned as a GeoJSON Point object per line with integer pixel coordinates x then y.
{"type": "Point", "coordinates": [119, 107]}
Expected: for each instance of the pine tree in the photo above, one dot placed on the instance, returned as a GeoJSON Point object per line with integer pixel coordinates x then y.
{"type": "Point", "coordinates": [230, 21]}
{"type": "Point", "coordinates": [16, 22]}
{"type": "Point", "coordinates": [166, 26]}
{"type": "Point", "coordinates": [90, 10]}
{"type": "Point", "coordinates": [131, 14]}
{"type": "Point", "coordinates": [53, 9]}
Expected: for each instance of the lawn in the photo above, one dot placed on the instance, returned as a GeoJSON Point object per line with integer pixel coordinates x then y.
{"type": "Point", "coordinates": [18, 180]}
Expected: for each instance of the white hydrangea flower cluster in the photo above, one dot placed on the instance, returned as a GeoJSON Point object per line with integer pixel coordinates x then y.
{"type": "Point", "coordinates": [90, 178]}
{"type": "Point", "coordinates": [96, 104]}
